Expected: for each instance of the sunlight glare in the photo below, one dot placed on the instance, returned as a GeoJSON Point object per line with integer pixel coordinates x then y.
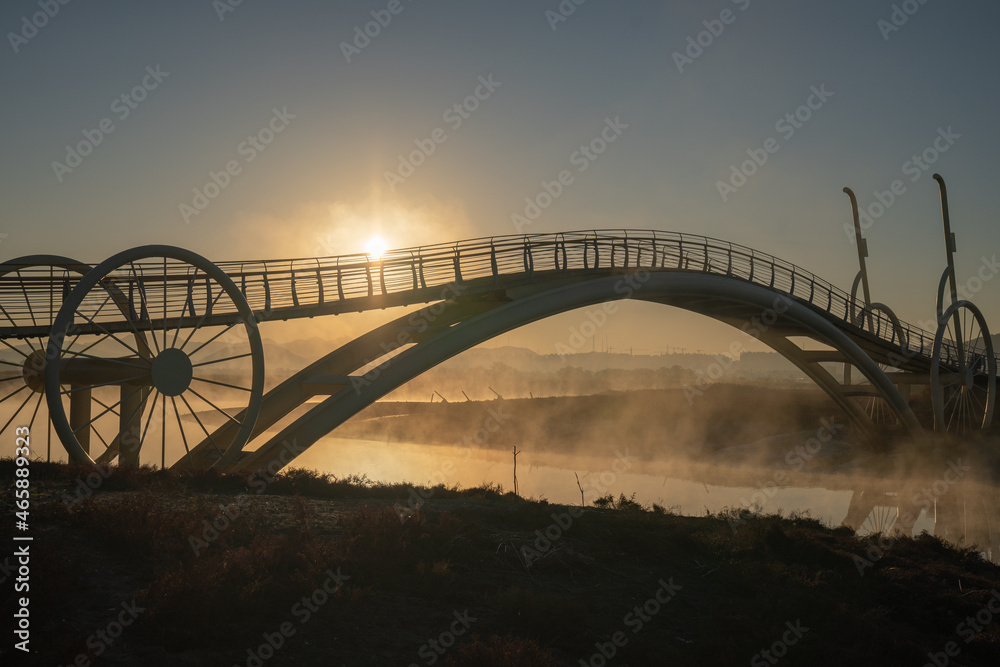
{"type": "Point", "coordinates": [376, 247]}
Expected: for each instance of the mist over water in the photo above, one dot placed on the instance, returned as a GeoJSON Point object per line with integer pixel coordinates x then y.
{"type": "Point", "coordinates": [709, 456]}
{"type": "Point", "coordinates": [638, 426]}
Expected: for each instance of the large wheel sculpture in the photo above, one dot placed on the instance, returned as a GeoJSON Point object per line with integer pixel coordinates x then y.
{"type": "Point", "coordinates": [963, 371]}
{"type": "Point", "coordinates": [153, 347]}
{"type": "Point", "coordinates": [876, 407]}
{"type": "Point", "coordinates": [881, 520]}
{"type": "Point", "coordinates": [23, 362]}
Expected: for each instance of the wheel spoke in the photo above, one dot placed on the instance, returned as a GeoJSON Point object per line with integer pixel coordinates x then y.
{"type": "Point", "coordinates": [96, 313]}
{"type": "Point", "coordinates": [228, 327]}
{"type": "Point", "coordinates": [951, 418]}
{"type": "Point", "coordinates": [980, 405]}
{"type": "Point", "coordinates": [177, 331]}
{"type": "Point", "coordinates": [180, 323]}
{"type": "Point", "coordinates": [967, 411]}
{"type": "Point", "coordinates": [105, 405]}
{"type": "Point", "coordinates": [202, 320]}
{"type": "Point", "coordinates": [143, 306]}
{"type": "Point", "coordinates": [217, 408]}
{"type": "Point", "coordinates": [14, 348]}
{"type": "Point", "coordinates": [164, 275]}
{"type": "Point", "coordinates": [223, 384]}
{"type": "Point", "coordinates": [181, 426]}
{"type": "Point", "coordinates": [7, 315]}
{"type": "Point", "coordinates": [96, 342]}
{"type": "Point", "coordinates": [27, 300]}
{"type": "Point", "coordinates": [104, 442]}
{"type": "Point", "coordinates": [41, 399]}
{"type": "Point", "coordinates": [14, 393]}
{"type": "Point", "coordinates": [138, 409]}
{"type": "Point", "coordinates": [113, 337]}
{"type": "Point", "coordinates": [970, 411]}
{"type": "Point", "coordinates": [954, 397]}
{"type": "Point", "coordinates": [33, 350]}
{"type": "Point", "coordinates": [219, 361]}
{"type": "Point", "coordinates": [163, 434]}
{"type": "Point", "coordinates": [149, 419]}
{"type": "Point", "coordinates": [198, 419]}
{"type": "Point", "coordinates": [109, 409]}
{"type": "Point", "coordinates": [16, 413]}
{"type": "Point", "coordinates": [966, 417]}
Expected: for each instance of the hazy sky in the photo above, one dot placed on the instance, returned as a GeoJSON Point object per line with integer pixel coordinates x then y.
{"type": "Point", "coordinates": [340, 109]}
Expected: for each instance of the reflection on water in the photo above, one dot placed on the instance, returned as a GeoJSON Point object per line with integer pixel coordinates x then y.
{"type": "Point", "coordinates": [951, 506]}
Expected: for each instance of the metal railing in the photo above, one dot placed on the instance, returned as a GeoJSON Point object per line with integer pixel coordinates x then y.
{"type": "Point", "coordinates": [31, 297]}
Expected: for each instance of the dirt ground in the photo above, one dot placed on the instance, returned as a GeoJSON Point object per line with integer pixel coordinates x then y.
{"type": "Point", "coordinates": [152, 568]}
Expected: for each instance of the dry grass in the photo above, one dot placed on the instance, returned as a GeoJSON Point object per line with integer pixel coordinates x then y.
{"type": "Point", "coordinates": [500, 651]}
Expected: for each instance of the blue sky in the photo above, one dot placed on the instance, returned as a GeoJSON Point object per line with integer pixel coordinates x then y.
{"type": "Point", "coordinates": [320, 186]}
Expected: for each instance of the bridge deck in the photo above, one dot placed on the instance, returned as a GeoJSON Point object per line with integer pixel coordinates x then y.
{"type": "Point", "coordinates": [170, 293]}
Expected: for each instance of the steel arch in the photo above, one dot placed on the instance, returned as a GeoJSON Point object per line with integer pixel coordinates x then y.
{"type": "Point", "coordinates": [670, 288]}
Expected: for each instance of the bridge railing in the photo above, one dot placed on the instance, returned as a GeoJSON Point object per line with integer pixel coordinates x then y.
{"type": "Point", "coordinates": [33, 295]}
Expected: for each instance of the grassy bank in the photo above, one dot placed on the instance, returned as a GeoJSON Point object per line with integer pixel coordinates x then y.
{"type": "Point", "coordinates": [350, 572]}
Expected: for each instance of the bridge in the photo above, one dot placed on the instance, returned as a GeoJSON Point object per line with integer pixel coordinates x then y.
{"type": "Point", "coordinates": [157, 350]}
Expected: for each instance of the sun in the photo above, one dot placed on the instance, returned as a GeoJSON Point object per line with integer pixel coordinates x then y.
{"type": "Point", "coordinates": [376, 247]}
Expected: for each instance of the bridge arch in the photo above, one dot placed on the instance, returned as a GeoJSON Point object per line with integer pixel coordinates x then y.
{"type": "Point", "coordinates": [731, 300]}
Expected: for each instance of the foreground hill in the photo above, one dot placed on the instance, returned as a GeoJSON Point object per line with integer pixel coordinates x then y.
{"type": "Point", "coordinates": [160, 569]}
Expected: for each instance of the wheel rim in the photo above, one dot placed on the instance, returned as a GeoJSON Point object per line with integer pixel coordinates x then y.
{"type": "Point", "coordinates": [872, 318]}
{"type": "Point", "coordinates": [963, 371]}
{"type": "Point", "coordinates": [23, 362]}
{"type": "Point", "coordinates": [881, 520]}
{"type": "Point", "coordinates": [181, 355]}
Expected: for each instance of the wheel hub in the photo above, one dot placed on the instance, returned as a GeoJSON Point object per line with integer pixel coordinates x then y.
{"type": "Point", "coordinates": [33, 371]}
{"type": "Point", "coordinates": [172, 372]}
